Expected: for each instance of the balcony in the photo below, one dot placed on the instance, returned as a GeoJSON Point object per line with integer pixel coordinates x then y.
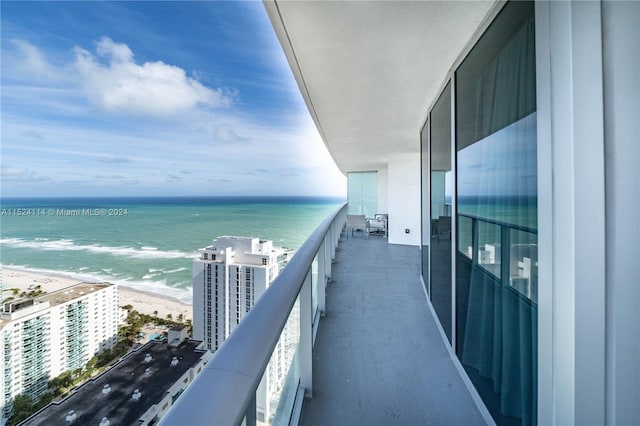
{"type": "Point", "coordinates": [368, 349]}
{"type": "Point", "coordinates": [379, 357]}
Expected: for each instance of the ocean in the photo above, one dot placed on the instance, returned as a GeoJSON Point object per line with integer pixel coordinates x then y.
{"type": "Point", "coordinates": [144, 243]}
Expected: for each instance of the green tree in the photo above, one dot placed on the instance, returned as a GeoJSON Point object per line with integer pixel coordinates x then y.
{"type": "Point", "coordinates": [180, 317]}
{"type": "Point", "coordinates": [155, 313]}
{"type": "Point", "coordinates": [45, 399]}
{"type": "Point", "coordinates": [22, 408]}
{"type": "Point", "coordinates": [61, 383]}
{"type": "Point", "coordinates": [92, 363]}
{"type": "Point", "coordinates": [169, 316]}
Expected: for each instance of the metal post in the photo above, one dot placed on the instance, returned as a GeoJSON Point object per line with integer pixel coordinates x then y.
{"type": "Point", "coordinates": [505, 261]}
{"type": "Point", "coordinates": [322, 277]}
{"type": "Point", "coordinates": [334, 238]}
{"type": "Point", "coordinates": [475, 242]}
{"type": "Point", "coordinates": [327, 259]}
{"type": "Point", "coordinates": [306, 337]}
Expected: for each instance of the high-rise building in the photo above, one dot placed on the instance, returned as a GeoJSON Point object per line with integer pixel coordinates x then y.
{"type": "Point", "coordinates": [45, 336]}
{"type": "Point", "coordinates": [228, 278]}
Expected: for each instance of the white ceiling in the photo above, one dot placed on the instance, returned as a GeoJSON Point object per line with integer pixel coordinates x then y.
{"type": "Point", "coordinates": [369, 70]}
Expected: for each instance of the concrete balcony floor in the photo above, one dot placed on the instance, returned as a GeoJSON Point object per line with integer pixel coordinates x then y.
{"type": "Point", "coordinates": [379, 358]}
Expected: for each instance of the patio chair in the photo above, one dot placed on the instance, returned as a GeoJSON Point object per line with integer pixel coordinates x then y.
{"type": "Point", "coordinates": [357, 222]}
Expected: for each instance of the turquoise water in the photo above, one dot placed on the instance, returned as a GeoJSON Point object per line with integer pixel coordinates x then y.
{"type": "Point", "coordinates": [145, 243]}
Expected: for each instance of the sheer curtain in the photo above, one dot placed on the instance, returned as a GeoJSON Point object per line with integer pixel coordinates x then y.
{"type": "Point", "coordinates": [500, 325]}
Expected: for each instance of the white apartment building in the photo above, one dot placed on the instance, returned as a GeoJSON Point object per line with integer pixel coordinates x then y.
{"type": "Point", "coordinates": [230, 275]}
{"type": "Point", "coordinates": [228, 278]}
{"type": "Point", "coordinates": [45, 336]}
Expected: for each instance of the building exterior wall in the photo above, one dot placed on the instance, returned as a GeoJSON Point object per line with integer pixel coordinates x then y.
{"type": "Point", "coordinates": [585, 312]}
{"type": "Point", "coordinates": [588, 92]}
{"type": "Point", "coordinates": [404, 199]}
{"type": "Point", "coordinates": [48, 341]}
{"type": "Point", "coordinates": [621, 57]}
{"type": "Point", "coordinates": [585, 263]}
{"type": "Point", "coordinates": [228, 279]}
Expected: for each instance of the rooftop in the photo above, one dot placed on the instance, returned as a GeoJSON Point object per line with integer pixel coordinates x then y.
{"type": "Point", "coordinates": [21, 307]}
{"type": "Point", "coordinates": [91, 405]}
{"type": "Point", "coordinates": [69, 293]}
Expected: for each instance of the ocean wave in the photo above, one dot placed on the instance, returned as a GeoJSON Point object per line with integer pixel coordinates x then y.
{"type": "Point", "coordinates": [70, 245]}
{"type": "Point", "coordinates": [160, 288]}
{"type": "Point", "coordinates": [172, 271]}
{"type": "Point", "coordinates": [149, 276]}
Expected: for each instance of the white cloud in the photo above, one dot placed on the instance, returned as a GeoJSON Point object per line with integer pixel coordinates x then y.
{"type": "Point", "coordinates": [118, 84]}
{"type": "Point", "coordinates": [27, 60]}
{"type": "Point", "coordinates": [203, 151]}
{"type": "Point", "coordinates": [226, 134]}
{"type": "Point", "coordinates": [20, 174]}
{"type": "Point", "coordinates": [114, 159]}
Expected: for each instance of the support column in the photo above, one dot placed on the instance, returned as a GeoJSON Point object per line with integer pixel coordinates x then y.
{"type": "Point", "coordinates": [621, 56]}
{"type": "Point", "coordinates": [571, 210]}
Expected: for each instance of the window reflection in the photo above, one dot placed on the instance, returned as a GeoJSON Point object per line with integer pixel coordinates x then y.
{"type": "Point", "coordinates": [496, 209]}
{"type": "Point", "coordinates": [442, 186]}
{"type": "Point", "coordinates": [497, 188]}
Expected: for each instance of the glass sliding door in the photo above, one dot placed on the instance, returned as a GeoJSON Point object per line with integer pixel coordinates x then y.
{"type": "Point", "coordinates": [496, 190]}
{"type": "Point", "coordinates": [362, 193]}
{"type": "Point", "coordinates": [442, 185]}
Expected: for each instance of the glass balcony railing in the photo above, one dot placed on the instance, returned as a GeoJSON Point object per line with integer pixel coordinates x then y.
{"type": "Point", "coordinates": [497, 311]}
{"type": "Point", "coordinates": [264, 369]}
{"type": "Point", "coordinates": [507, 251]}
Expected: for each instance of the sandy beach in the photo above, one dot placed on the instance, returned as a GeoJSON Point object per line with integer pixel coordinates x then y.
{"type": "Point", "coordinates": [143, 302]}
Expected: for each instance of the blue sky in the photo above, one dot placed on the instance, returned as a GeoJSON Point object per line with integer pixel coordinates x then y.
{"type": "Point", "coordinates": [153, 98]}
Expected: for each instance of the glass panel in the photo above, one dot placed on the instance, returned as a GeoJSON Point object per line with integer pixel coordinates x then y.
{"type": "Point", "coordinates": [489, 238]}
{"type": "Point", "coordinates": [426, 203]}
{"type": "Point", "coordinates": [465, 230]}
{"type": "Point", "coordinates": [441, 197]}
{"type": "Point", "coordinates": [523, 263]}
{"type": "Point", "coordinates": [496, 147]}
{"type": "Point", "coordinates": [362, 193]}
{"type": "Point", "coordinates": [276, 393]}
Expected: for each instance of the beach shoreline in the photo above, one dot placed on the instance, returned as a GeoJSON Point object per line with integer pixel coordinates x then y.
{"type": "Point", "coordinates": [142, 301]}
